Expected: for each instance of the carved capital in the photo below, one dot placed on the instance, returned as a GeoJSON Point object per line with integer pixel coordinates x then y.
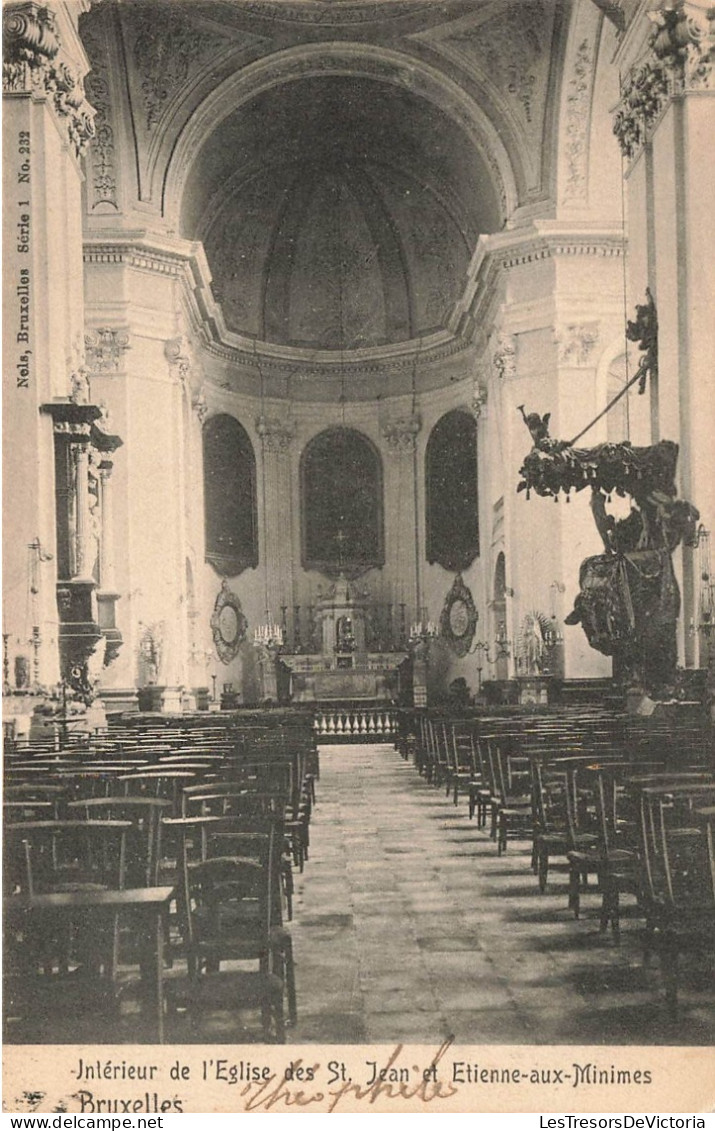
{"type": "Point", "coordinates": [31, 44]}
{"type": "Point", "coordinates": [681, 51]}
{"type": "Point", "coordinates": [504, 357]}
{"type": "Point", "coordinates": [104, 349]}
{"type": "Point", "coordinates": [276, 434]}
{"type": "Point", "coordinates": [576, 342]}
{"type": "Point", "coordinates": [401, 434]}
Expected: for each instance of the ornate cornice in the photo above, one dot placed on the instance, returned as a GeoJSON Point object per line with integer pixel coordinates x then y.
{"type": "Point", "coordinates": [32, 65]}
{"type": "Point", "coordinates": [320, 374]}
{"type": "Point", "coordinates": [680, 56]}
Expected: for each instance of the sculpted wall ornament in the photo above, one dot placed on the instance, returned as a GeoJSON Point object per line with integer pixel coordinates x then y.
{"type": "Point", "coordinates": [176, 353]}
{"type": "Point", "coordinates": [228, 624]}
{"type": "Point", "coordinates": [681, 54]}
{"type": "Point", "coordinates": [479, 398]}
{"type": "Point", "coordinates": [510, 48]}
{"type": "Point", "coordinates": [401, 434]}
{"type": "Point", "coordinates": [578, 102]}
{"type": "Point", "coordinates": [505, 356]}
{"type": "Point", "coordinates": [102, 150]}
{"type": "Point", "coordinates": [576, 342]}
{"type": "Point", "coordinates": [200, 405]}
{"type": "Point", "coordinates": [165, 57]}
{"type": "Point", "coordinates": [104, 349]}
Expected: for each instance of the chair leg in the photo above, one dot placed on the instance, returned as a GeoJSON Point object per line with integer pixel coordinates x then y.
{"type": "Point", "coordinates": [574, 891]}
{"type": "Point", "coordinates": [289, 971]}
{"type": "Point", "coordinates": [669, 967]}
{"type": "Point", "coordinates": [543, 865]}
{"type": "Point", "coordinates": [502, 834]}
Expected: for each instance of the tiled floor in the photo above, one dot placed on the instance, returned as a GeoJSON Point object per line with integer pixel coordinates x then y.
{"type": "Point", "coordinates": [408, 927]}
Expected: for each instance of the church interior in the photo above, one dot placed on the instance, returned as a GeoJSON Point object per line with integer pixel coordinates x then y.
{"type": "Point", "coordinates": [358, 667]}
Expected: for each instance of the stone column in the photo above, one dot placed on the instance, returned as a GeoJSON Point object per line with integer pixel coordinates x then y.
{"type": "Point", "coordinates": [277, 433]}
{"type": "Point", "coordinates": [47, 123]}
{"type": "Point", "coordinates": [402, 506]}
{"type": "Point", "coordinates": [664, 125]}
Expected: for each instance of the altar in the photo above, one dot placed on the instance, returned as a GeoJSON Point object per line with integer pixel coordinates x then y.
{"type": "Point", "coordinates": [344, 670]}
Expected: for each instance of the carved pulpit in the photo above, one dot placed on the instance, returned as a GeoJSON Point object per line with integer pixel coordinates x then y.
{"type": "Point", "coordinates": [344, 669]}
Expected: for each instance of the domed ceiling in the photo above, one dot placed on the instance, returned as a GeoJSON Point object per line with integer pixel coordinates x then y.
{"type": "Point", "coordinates": [338, 213]}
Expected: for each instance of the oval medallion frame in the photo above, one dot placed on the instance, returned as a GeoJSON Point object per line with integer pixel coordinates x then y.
{"type": "Point", "coordinates": [458, 622]}
{"type": "Point", "coordinates": [228, 624]}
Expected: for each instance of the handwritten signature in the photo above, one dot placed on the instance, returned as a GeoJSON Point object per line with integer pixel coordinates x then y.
{"type": "Point", "coordinates": [271, 1093]}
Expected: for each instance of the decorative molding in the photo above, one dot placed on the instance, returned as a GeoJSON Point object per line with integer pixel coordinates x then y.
{"type": "Point", "coordinates": [277, 434]}
{"type": "Point", "coordinates": [401, 434]}
{"type": "Point", "coordinates": [166, 57]}
{"type": "Point", "coordinates": [578, 118]}
{"type": "Point", "coordinates": [102, 154]}
{"type": "Point", "coordinates": [228, 624]}
{"type": "Point", "coordinates": [508, 47]}
{"type": "Point", "coordinates": [576, 342]}
{"type": "Point", "coordinates": [681, 51]}
{"type": "Point", "coordinates": [31, 45]}
{"type": "Point", "coordinates": [504, 357]}
{"type": "Point", "coordinates": [104, 349]}
{"type": "Point", "coordinates": [458, 621]}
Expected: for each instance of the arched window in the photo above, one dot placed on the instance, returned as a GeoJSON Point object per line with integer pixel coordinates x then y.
{"type": "Point", "coordinates": [229, 497]}
{"type": "Point", "coordinates": [341, 486]}
{"type": "Point", "coordinates": [451, 492]}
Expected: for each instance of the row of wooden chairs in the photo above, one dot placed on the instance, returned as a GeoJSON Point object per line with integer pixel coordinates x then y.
{"type": "Point", "coordinates": [219, 842]}
{"type": "Point", "coordinates": [631, 814]}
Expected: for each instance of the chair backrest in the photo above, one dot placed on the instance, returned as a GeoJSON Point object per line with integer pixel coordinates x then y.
{"type": "Point", "coordinates": [70, 854]}
{"type": "Point", "coordinates": [688, 865]}
{"type": "Point", "coordinates": [214, 886]}
{"type": "Point", "coordinates": [143, 838]}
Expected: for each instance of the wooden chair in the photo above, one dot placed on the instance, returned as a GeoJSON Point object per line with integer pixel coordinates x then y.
{"type": "Point", "coordinates": [679, 883]}
{"type": "Point", "coordinates": [227, 912]}
{"type": "Point", "coordinates": [251, 838]}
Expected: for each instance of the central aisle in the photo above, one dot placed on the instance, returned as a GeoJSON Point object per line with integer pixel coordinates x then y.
{"type": "Point", "coordinates": [408, 927]}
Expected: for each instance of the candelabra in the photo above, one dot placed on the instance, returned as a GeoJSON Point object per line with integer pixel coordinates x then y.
{"type": "Point", "coordinates": [422, 631]}
{"type": "Point", "coordinates": [706, 598]}
{"type": "Point", "coordinates": [552, 634]}
{"type": "Point", "coordinates": [502, 646]}
{"type": "Point", "coordinates": [268, 635]}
